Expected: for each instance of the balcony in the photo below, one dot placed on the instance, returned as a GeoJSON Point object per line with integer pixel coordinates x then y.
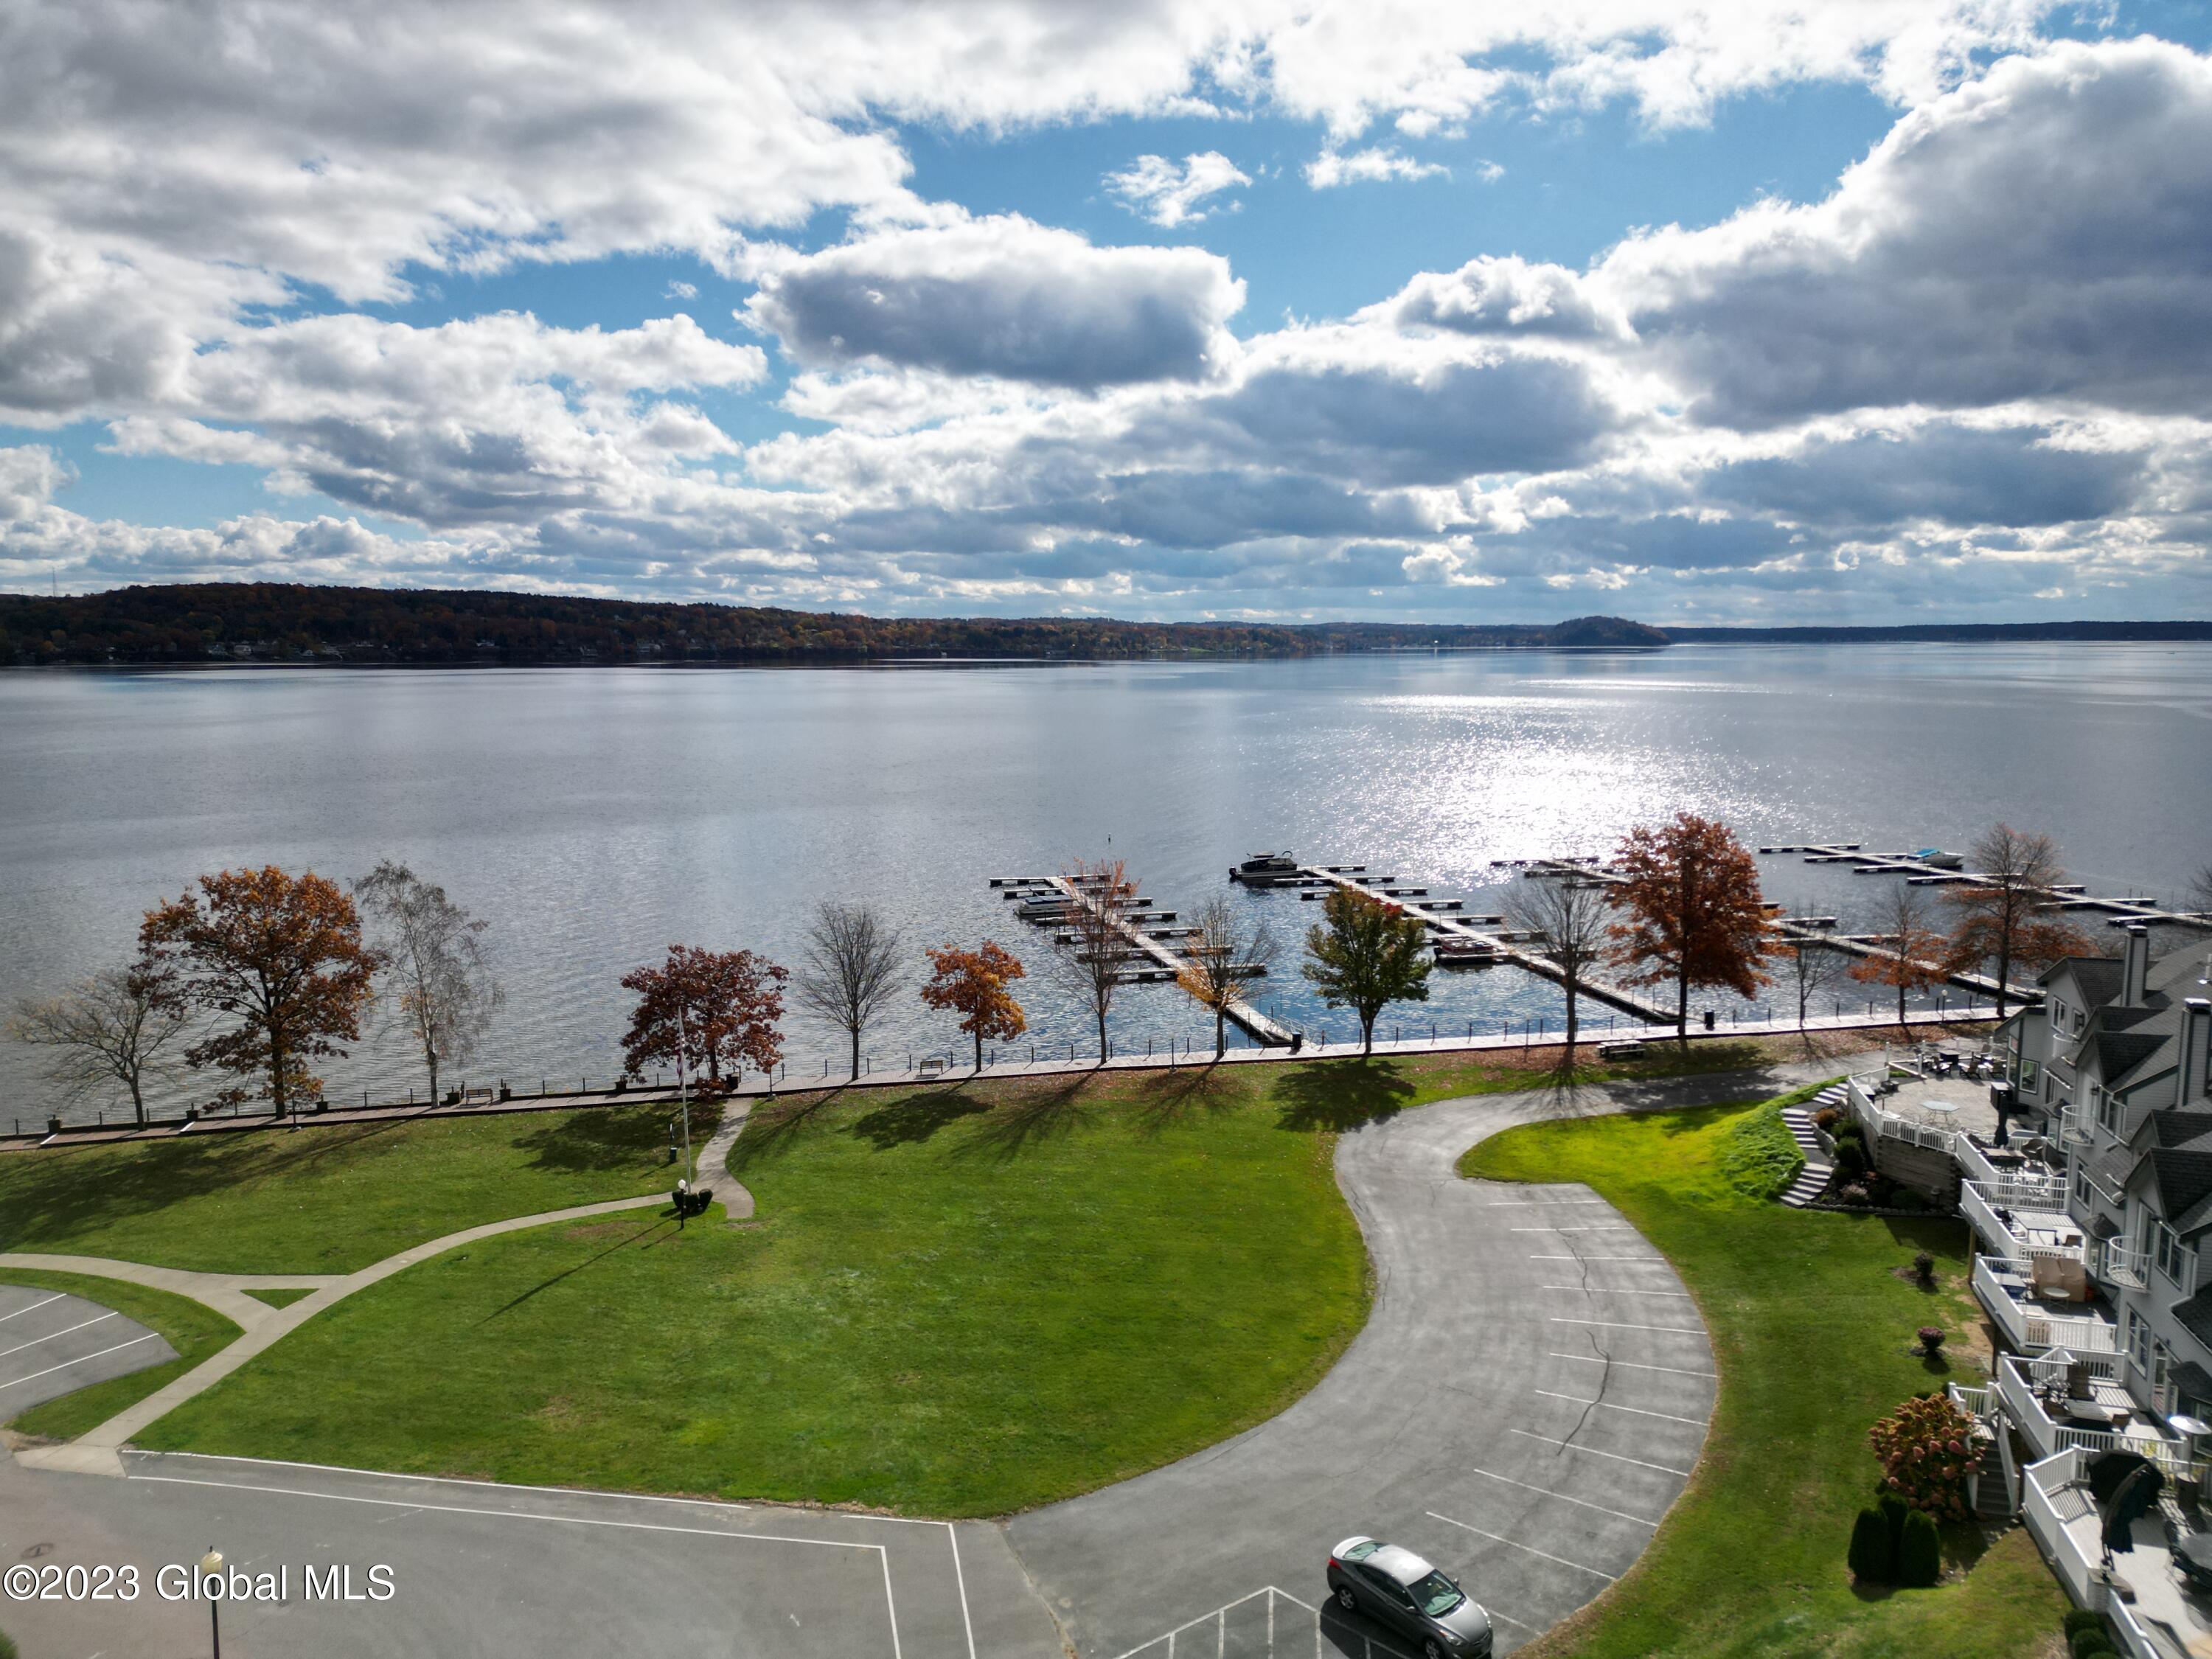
{"type": "Point", "coordinates": [2033, 1324]}
{"type": "Point", "coordinates": [2124, 1264]}
{"type": "Point", "coordinates": [2021, 1216]}
{"type": "Point", "coordinates": [2152, 1607]}
{"type": "Point", "coordinates": [2083, 1406]}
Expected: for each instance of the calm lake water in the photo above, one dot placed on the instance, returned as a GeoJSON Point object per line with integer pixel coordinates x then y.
{"type": "Point", "coordinates": [597, 815]}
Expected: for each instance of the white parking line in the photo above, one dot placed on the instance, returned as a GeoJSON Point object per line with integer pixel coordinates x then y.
{"type": "Point", "coordinates": [1618, 1325]}
{"type": "Point", "coordinates": [882, 1554]}
{"type": "Point", "coordinates": [1612, 1290]}
{"type": "Point", "coordinates": [33, 1307]}
{"type": "Point", "coordinates": [1694, 1422]}
{"type": "Point", "coordinates": [1663, 1469]}
{"type": "Point", "coordinates": [1561, 1560]}
{"type": "Point", "coordinates": [1607, 1360]}
{"type": "Point", "coordinates": [51, 1335]}
{"type": "Point", "coordinates": [85, 1360]}
{"type": "Point", "coordinates": [1620, 1515]}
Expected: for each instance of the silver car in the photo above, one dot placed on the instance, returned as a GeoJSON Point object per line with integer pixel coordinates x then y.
{"type": "Point", "coordinates": [1398, 1588]}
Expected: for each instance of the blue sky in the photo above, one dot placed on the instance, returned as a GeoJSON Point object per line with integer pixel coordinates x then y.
{"type": "Point", "coordinates": [1891, 310]}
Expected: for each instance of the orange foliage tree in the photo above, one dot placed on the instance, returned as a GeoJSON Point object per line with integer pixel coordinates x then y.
{"type": "Point", "coordinates": [282, 957]}
{"type": "Point", "coordinates": [725, 1007]}
{"type": "Point", "coordinates": [1922, 955]}
{"type": "Point", "coordinates": [973, 984]}
{"type": "Point", "coordinates": [1694, 913]}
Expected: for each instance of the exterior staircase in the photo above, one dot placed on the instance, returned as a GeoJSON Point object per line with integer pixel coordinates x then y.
{"type": "Point", "coordinates": [1990, 1503]}
{"type": "Point", "coordinates": [1798, 1120]}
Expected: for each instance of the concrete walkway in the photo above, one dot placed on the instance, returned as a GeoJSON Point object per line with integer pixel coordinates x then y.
{"type": "Point", "coordinates": [225, 1292]}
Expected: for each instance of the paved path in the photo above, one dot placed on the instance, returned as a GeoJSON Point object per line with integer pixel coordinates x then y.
{"type": "Point", "coordinates": [225, 1292]}
{"type": "Point", "coordinates": [1528, 1397]}
{"type": "Point", "coordinates": [52, 1344]}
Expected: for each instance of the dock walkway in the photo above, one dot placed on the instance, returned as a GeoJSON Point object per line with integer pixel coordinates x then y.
{"type": "Point", "coordinates": [1500, 945]}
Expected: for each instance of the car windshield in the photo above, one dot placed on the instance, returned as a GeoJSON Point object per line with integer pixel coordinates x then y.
{"type": "Point", "coordinates": [1435, 1595]}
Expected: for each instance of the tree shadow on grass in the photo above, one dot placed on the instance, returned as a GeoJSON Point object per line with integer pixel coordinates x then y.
{"type": "Point", "coordinates": [911, 1118]}
{"type": "Point", "coordinates": [1163, 1100]}
{"type": "Point", "coordinates": [1339, 1094]}
{"type": "Point", "coordinates": [604, 1138]}
{"type": "Point", "coordinates": [775, 1125]}
{"type": "Point", "coordinates": [1031, 1118]}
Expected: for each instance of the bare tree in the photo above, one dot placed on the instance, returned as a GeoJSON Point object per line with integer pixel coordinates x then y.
{"type": "Point", "coordinates": [1098, 952]}
{"type": "Point", "coordinates": [1914, 955]}
{"type": "Point", "coordinates": [852, 967]}
{"type": "Point", "coordinates": [1220, 954]}
{"type": "Point", "coordinates": [105, 1033]}
{"type": "Point", "coordinates": [1808, 968]}
{"type": "Point", "coordinates": [2200, 890]}
{"type": "Point", "coordinates": [434, 949]}
{"type": "Point", "coordinates": [1573, 916]}
{"type": "Point", "coordinates": [2000, 903]}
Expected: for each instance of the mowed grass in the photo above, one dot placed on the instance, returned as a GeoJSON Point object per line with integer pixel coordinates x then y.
{"type": "Point", "coordinates": [955, 1301]}
{"type": "Point", "coordinates": [1813, 1329]}
{"type": "Point", "coordinates": [195, 1331]}
{"type": "Point", "coordinates": [326, 1199]}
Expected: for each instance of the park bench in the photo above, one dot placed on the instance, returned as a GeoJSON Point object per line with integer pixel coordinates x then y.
{"type": "Point", "coordinates": [1632, 1049]}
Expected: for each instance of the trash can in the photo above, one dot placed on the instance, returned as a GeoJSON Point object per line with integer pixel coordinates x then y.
{"type": "Point", "coordinates": [1708, 1019]}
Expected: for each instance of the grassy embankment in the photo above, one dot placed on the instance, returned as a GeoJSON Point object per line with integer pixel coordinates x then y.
{"type": "Point", "coordinates": [194, 1331]}
{"type": "Point", "coordinates": [1811, 1326]}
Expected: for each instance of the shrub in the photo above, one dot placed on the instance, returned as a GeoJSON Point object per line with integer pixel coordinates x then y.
{"type": "Point", "coordinates": [1923, 1446]}
{"type": "Point", "coordinates": [1856, 1195]}
{"type": "Point", "coordinates": [1919, 1551]}
{"type": "Point", "coordinates": [1827, 1117]}
{"type": "Point", "coordinates": [1871, 1558]}
{"type": "Point", "coordinates": [1894, 1510]}
{"type": "Point", "coordinates": [2078, 1619]}
{"type": "Point", "coordinates": [7, 1647]}
{"type": "Point", "coordinates": [2087, 1644]}
{"type": "Point", "coordinates": [1923, 1267]}
{"type": "Point", "coordinates": [1931, 1339]}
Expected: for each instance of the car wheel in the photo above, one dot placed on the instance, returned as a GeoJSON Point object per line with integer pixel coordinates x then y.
{"type": "Point", "coordinates": [1345, 1599]}
{"type": "Point", "coordinates": [1433, 1649]}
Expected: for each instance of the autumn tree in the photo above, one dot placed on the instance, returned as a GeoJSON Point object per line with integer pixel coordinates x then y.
{"type": "Point", "coordinates": [280, 957]}
{"type": "Point", "coordinates": [1364, 955]}
{"type": "Point", "coordinates": [116, 1031]}
{"type": "Point", "coordinates": [1914, 954]}
{"type": "Point", "coordinates": [851, 970]}
{"type": "Point", "coordinates": [1808, 967]}
{"type": "Point", "coordinates": [722, 1007]}
{"type": "Point", "coordinates": [2000, 906]}
{"type": "Point", "coordinates": [435, 952]}
{"type": "Point", "coordinates": [973, 984]}
{"type": "Point", "coordinates": [1692, 910]}
{"type": "Point", "coordinates": [1098, 951]}
{"type": "Point", "coordinates": [1571, 919]}
{"type": "Point", "coordinates": [1221, 953]}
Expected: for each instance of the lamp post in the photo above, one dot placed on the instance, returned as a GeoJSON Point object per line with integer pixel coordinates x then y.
{"type": "Point", "coordinates": [210, 1564]}
{"type": "Point", "coordinates": [682, 1090]}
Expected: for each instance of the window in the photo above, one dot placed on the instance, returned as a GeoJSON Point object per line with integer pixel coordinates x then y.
{"type": "Point", "coordinates": [2058, 1016]}
{"type": "Point", "coordinates": [2171, 1255]}
{"type": "Point", "coordinates": [2081, 1187]}
{"type": "Point", "coordinates": [2137, 1330]}
{"type": "Point", "coordinates": [2077, 1022]}
{"type": "Point", "coordinates": [2108, 1108]}
{"type": "Point", "coordinates": [2027, 1070]}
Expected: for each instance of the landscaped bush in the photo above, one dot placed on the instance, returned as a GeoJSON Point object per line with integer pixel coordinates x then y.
{"type": "Point", "coordinates": [1923, 1267]}
{"type": "Point", "coordinates": [2086, 1643]}
{"type": "Point", "coordinates": [1872, 1558]}
{"type": "Point", "coordinates": [1858, 1195]}
{"type": "Point", "coordinates": [2078, 1619]}
{"type": "Point", "coordinates": [1894, 1510]}
{"type": "Point", "coordinates": [1923, 1446]}
{"type": "Point", "coordinates": [1827, 1117]}
{"type": "Point", "coordinates": [1919, 1553]}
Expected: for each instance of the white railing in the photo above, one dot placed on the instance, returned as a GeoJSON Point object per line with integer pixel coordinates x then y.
{"type": "Point", "coordinates": [2049, 1435]}
{"type": "Point", "coordinates": [1993, 1230]}
{"type": "Point", "coordinates": [2026, 1326]}
{"type": "Point", "coordinates": [2124, 1264]}
{"type": "Point", "coordinates": [2054, 1496]}
{"type": "Point", "coordinates": [1887, 1125]}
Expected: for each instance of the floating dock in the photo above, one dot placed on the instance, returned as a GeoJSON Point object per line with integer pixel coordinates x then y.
{"type": "Point", "coordinates": [1503, 946]}
{"type": "Point", "coordinates": [2125, 912]}
{"type": "Point", "coordinates": [1154, 959]}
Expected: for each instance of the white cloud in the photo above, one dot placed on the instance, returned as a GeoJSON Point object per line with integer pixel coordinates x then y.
{"type": "Point", "coordinates": [1152, 187]}
{"type": "Point", "coordinates": [2043, 232]}
{"type": "Point", "coordinates": [1333, 168]}
{"type": "Point", "coordinates": [1006, 297]}
{"type": "Point", "coordinates": [1503, 295]}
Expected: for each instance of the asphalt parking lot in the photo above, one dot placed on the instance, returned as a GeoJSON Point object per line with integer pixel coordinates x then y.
{"type": "Point", "coordinates": [497, 1570]}
{"type": "Point", "coordinates": [52, 1344]}
{"type": "Point", "coordinates": [1530, 1394]}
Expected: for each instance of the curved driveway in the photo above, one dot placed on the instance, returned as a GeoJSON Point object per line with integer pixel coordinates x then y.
{"type": "Point", "coordinates": [1527, 1398]}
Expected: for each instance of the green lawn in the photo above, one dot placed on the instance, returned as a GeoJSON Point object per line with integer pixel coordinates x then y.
{"type": "Point", "coordinates": [953, 1301]}
{"type": "Point", "coordinates": [1812, 1331]}
{"type": "Point", "coordinates": [327, 1200]}
{"type": "Point", "coordinates": [194, 1331]}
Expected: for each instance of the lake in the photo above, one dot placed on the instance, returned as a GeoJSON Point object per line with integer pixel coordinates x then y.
{"type": "Point", "coordinates": [597, 815]}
